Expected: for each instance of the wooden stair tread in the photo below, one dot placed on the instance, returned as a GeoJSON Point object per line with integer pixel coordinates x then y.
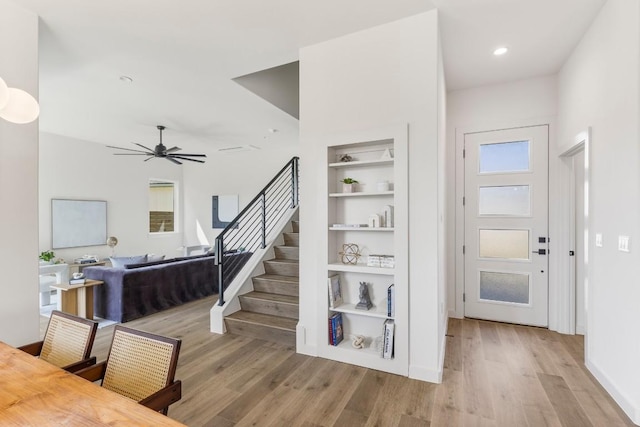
{"type": "Point", "coordinates": [277, 322]}
{"type": "Point", "coordinates": [278, 278]}
{"type": "Point", "coordinates": [286, 299]}
{"type": "Point", "coordinates": [282, 260]}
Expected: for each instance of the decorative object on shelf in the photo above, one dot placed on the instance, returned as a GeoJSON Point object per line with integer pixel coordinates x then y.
{"type": "Point", "coordinates": [373, 260]}
{"type": "Point", "coordinates": [365, 299]}
{"type": "Point", "coordinates": [112, 241]}
{"type": "Point", "coordinates": [47, 256]}
{"type": "Point", "coordinates": [348, 185]}
{"type": "Point", "coordinates": [388, 335]}
{"type": "Point", "coordinates": [387, 261]}
{"type": "Point", "coordinates": [391, 301]}
{"type": "Point", "coordinates": [346, 158]}
{"type": "Point", "coordinates": [16, 105]}
{"type": "Point", "coordinates": [387, 216]}
{"type": "Point", "coordinates": [350, 225]}
{"type": "Point", "coordinates": [383, 186]}
{"type": "Point", "coordinates": [350, 253]}
{"type": "Point", "coordinates": [357, 342]}
{"type": "Point", "coordinates": [335, 291]}
{"type": "Point", "coordinates": [374, 220]}
{"type": "Point", "coordinates": [386, 155]}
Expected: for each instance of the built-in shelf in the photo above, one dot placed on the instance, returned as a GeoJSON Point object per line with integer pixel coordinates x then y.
{"type": "Point", "coordinates": [360, 268]}
{"type": "Point", "coordinates": [361, 228]}
{"type": "Point", "coordinates": [362, 194]}
{"type": "Point", "coordinates": [375, 311]}
{"type": "Point", "coordinates": [361, 163]}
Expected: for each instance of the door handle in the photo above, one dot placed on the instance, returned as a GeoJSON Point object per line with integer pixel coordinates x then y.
{"type": "Point", "coordinates": [540, 252]}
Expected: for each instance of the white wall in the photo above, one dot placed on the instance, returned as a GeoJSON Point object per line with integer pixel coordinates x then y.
{"type": "Point", "coordinates": [76, 169]}
{"type": "Point", "coordinates": [19, 317]}
{"type": "Point", "coordinates": [386, 75]}
{"type": "Point", "coordinates": [598, 87]}
{"type": "Point", "coordinates": [531, 101]}
{"type": "Point", "coordinates": [242, 173]}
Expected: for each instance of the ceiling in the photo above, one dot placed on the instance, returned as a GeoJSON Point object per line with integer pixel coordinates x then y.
{"type": "Point", "coordinates": [183, 58]}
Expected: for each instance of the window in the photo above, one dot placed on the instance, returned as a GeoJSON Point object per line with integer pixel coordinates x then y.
{"type": "Point", "coordinates": [162, 206]}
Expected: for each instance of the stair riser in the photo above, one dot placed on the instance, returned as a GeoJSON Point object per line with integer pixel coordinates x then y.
{"type": "Point", "coordinates": [261, 332]}
{"type": "Point", "coordinates": [275, 287]}
{"type": "Point", "coordinates": [273, 308]}
{"type": "Point", "coordinates": [291, 239]}
{"type": "Point", "coordinates": [281, 269]}
{"type": "Point", "coordinates": [295, 226]}
{"type": "Point", "coordinates": [287, 252]}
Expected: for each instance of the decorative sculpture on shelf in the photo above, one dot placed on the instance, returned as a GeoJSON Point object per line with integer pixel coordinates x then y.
{"type": "Point", "coordinates": [365, 299]}
{"type": "Point", "coordinates": [350, 253]}
{"type": "Point", "coordinates": [346, 158]}
{"type": "Point", "coordinates": [357, 342]}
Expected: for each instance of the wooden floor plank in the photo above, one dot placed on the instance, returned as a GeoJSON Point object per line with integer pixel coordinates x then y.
{"type": "Point", "coordinates": [494, 374]}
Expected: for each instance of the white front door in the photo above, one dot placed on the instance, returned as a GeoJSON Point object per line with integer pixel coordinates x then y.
{"type": "Point", "coordinates": [506, 225]}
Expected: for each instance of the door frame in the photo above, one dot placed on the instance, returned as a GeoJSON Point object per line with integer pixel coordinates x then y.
{"type": "Point", "coordinates": [456, 309]}
{"type": "Point", "coordinates": [581, 142]}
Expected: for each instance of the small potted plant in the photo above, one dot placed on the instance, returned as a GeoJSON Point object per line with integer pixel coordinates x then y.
{"type": "Point", "coordinates": [47, 256]}
{"type": "Point", "coordinates": [348, 185]}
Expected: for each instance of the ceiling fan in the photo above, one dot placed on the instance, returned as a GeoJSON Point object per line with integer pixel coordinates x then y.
{"type": "Point", "coordinates": [160, 151]}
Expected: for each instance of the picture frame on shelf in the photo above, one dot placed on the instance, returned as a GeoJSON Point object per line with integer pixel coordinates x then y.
{"type": "Point", "coordinates": [335, 291]}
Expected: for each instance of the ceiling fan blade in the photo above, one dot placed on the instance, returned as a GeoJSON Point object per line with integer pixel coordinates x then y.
{"type": "Point", "coordinates": [173, 160]}
{"type": "Point", "coordinates": [173, 156]}
{"type": "Point", "coordinates": [146, 148]}
{"type": "Point", "coordinates": [133, 154]}
{"type": "Point", "coordinates": [127, 149]}
{"type": "Point", "coordinates": [149, 158]}
{"type": "Point", "coordinates": [172, 149]}
{"type": "Point", "coordinates": [192, 155]}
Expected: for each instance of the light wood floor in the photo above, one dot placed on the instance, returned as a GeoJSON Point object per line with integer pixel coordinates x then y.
{"type": "Point", "coordinates": [495, 375]}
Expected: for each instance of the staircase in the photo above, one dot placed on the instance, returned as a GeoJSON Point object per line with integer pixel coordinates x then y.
{"type": "Point", "coordinates": [270, 311]}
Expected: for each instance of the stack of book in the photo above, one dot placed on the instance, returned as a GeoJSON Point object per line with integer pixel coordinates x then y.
{"type": "Point", "coordinates": [335, 329]}
{"type": "Point", "coordinates": [78, 281]}
{"type": "Point", "coordinates": [387, 336]}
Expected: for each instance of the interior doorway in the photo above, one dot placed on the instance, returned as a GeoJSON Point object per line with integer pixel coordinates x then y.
{"type": "Point", "coordinates": [580, 229]}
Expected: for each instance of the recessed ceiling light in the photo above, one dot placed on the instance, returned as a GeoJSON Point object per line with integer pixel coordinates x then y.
{"type": "Point", "coordinates": [500, 51]}
{"type": "Point", "coordinates": [126, 79]}
{"type": "Point", "coordinates": [273, 130]}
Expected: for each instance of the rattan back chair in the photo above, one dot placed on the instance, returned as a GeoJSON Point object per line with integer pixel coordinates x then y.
{"type": "Point", "coordinates": [141, 366]}
{"type": "Point", "coordinates": [67, 342]}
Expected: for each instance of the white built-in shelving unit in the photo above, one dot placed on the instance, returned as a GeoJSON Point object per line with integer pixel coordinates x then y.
{"type": "Point", "coordinates": [370, 169]}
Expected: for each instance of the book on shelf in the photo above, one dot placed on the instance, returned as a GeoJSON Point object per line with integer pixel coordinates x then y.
{"type": "Point", "coordinates": [335, 291]}
{"type": "Point", "coordinates": [387, 336]}
{"type": "Point", "coordinates": [79, 281]}
{"type": "Point", "coordinates": [391, 303]}
{"type": "Point", "coordinates": [350, 225]}
{"type": "Point", "coordinates": [336, 333]}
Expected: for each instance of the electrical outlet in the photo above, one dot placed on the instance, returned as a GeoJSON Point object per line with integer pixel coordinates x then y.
{"type": "Point", "coordinates": [599, 240]}
{"type": "Point", "coordinates": [623, 243]}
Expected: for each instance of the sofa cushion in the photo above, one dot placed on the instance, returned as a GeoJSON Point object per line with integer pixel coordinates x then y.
{"type": "Point", "coordinates": [123, 261]}
{"type": "Point", "coordinates": [154, 258]}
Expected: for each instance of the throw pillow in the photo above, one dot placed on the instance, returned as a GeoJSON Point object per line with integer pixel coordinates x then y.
{"type": "Point", "coordinates": [154, 258]}
{"type": "Point", "coordinates": [121, 262]}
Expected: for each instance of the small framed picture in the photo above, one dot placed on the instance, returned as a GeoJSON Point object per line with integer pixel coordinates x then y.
{"type": "Point", "coordinates": [335, 291]}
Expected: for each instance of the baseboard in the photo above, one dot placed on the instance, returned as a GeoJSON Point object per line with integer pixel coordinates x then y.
{"type": "Point", "coordinates": [627, 405]}
{"type": "Point", "coordinates": [301, 342]}
{"type": "Point", "coordinates": [423, 373]}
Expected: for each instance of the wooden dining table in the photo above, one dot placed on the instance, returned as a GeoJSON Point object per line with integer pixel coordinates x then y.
{"type": "Point", "coordinates": [35, 393]}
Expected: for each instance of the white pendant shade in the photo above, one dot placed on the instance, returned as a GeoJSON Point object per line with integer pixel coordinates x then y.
{"type": "Point", "coordinates": [4, 94]}
{"type": "Point", "coordinates": [22, 108]}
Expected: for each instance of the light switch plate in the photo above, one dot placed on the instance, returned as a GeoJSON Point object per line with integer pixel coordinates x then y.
{"type": "Point", "coordinates": [623, 243]}
{"type": "Point", "coordinates": [599, 240]}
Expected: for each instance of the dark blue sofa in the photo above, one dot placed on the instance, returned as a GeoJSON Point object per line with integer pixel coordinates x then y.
{"type": "Point", "coordinates": [142, 289]}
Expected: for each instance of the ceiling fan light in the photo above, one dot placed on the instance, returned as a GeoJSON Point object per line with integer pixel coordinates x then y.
{"type": "Point", "coordinates": [22, 107]}
{"type": "Point", "coordinates": [4, 94]}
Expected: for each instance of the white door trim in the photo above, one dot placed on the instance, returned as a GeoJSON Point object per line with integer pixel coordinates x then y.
{"type": "Point", "coordinates": [457, 308]}
{"type": "Point", "coordinates": [566, 290]}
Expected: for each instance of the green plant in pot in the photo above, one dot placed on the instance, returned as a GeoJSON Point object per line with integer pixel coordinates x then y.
{"type": "Point", "coordinates": [348, 185]}
{"type": "Point", "coordinates": [47, 256]}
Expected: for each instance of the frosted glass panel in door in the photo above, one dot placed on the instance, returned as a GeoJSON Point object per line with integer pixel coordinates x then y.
{"type": "Point", "coordinates": [506, 244]}
{"type": "Point", "coordinates": [504, 287]}
{"type": "Point", "coordinates": [512, 200]}
{"type": "Point", "coordinates": [504, 157]}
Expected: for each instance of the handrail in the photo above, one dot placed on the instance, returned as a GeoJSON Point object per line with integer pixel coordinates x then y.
{"type": "Point", "coordinates": [249, 229]}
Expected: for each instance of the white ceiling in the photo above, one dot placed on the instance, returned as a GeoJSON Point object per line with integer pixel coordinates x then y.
{"type": "Point", "coordinates": [183, 56]}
